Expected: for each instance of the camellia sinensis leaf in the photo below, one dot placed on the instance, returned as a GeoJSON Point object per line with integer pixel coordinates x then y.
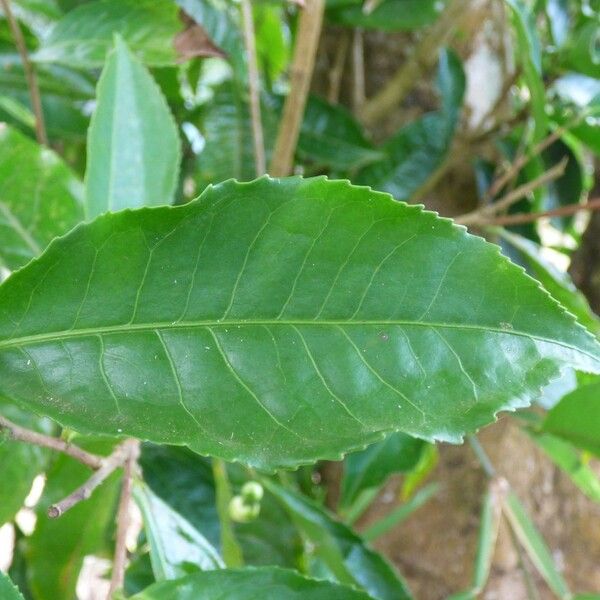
{"type": "Point", "coordinates": [278, 322]}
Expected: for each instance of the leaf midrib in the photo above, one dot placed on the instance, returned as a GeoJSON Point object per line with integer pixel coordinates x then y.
{"type": "Point", "coordinates": [137, 327]}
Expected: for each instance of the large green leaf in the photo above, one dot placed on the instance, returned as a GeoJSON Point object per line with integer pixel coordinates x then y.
{"type": "Point", "coordinates": [414, 153]}
{"type": "Point", "coordinates": [133, 143]}
{"type": "Point", "coordinates": [266, 583]}
{"type": "Point", "coordinates": [370, 468]}
{"type": "Point", "coordinates": [389, 15]}
{"type": "Point", "coordinates": [337, 552]}
{"type": "Point", "coordinates": [177, 548]}
{"type": "Point", "coordinates": [40, 198]}
{"type": "Point", "coordinates": [8, 590]}
{"type": "Point", "coordinates": [245, 324]}
{"type": "Point", "coordinates": [56, 550]}
{"type": "Point", "coordinates": [19, 462]}
{"type": "Point", "coordinates": [83, 37]}
{"type": "Point", "coordinates": [577, 418]}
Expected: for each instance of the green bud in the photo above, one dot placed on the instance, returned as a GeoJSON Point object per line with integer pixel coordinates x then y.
{"type": "Point", "coordinates": [252, 492]}
{"type": "Point", "coordinates": [241, 512]}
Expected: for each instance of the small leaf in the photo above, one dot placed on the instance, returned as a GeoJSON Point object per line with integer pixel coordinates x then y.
{"type": "Point", "coordinates": [56, 549]}
{"type": "Point", "coordinates": [371, 468]}
{"type": "Point", "coordinates": [177, 548]}
{"type": "Point", "coordinates": [249, 584]}
{"type": "Point", "coordinates": [133, 143]}
{"type": "Point", "coordinates": [245, 323]}
{"type": "Point", "coordinates": [83, 37]}
{"type": "Point", "coordinates": [8, 590]}
{"type": "Point", "coordinates": [576, 418]}
{"type": "Point", "coordinates": [40, 198]}
{"type": "Point", "coordinates": [343, 553]}
{"type": "Point", "coordinates": [194, 42]}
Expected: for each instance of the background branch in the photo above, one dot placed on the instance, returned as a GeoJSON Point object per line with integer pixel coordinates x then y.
{"type": "Point", "coordinates": [30, 76]}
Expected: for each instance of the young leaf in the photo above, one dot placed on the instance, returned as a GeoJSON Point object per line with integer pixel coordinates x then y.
{"type": "Point", "coordinates": [576, 418]}
{"type": "Point", "coordinates": [83, 37]}
{"type": "Point", "coordinates": [8, 590]}
{"type": "Point", "coordinates": [244, 324]}
{"type": "Point", "coordinates": [344, 554]}
{"type": "Point", "coordinates": [40, 198]}
{"type": "Point", "coordinates": [133, 143]}
{"type": "Point", "coordinates": [418, 149]}
{"type": "Point", "coordinates": [177, 548]}
{"type": "Point", "coordinates": [249, 584]}
{"type": "Point", "coordinates": [370, 468]}
{"type": "Point", "coordinates": [56, 549]}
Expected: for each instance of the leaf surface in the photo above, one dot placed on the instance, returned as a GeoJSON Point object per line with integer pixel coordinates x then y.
{"type": "Point", "coordinates": [177, 548]}
{"type": "Point", "coordinates": [8, 590]}
{"type": "Point", "coordinates": [40, 198]}
{"type": "Point", "coordinates": [133, 143]}
{"type": "Point", "coordinates": [245, 324]}
{"type": "Point", "coordinates": [249, 584]}
{"type": "Point", "coordinates": [83, 37]}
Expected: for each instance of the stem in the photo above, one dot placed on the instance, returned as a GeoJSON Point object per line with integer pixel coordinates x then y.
{"type": "Point", "coordinates": [39, 439]}
{"type": "Point", "coordinates": [481, 216]}
{"type": "Point", "coordinates": [309, 31]}
{"type": "Point", "coordinates": [481, 454]}
{"type": "Point", "coordinates": [110, 464]}
{"type": "Point", "coordinates": [254, 87]}
{"type": "Point", "coordinates": [232, 553]}
{"type": "Point", "coordinates": [337, 71]}
{"type": "Point", "coordinates": [132, 450]}
{"type": "Point", "coordinates": [30, 76]}
{"type": "Point", "coordinates": [358, 70]}
{"type": "Point", "coordinates": [532, 593]}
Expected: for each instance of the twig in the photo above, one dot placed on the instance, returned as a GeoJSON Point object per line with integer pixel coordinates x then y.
{"type": "Point", "coordinates": [337, 71]}
{"type": "Point", "coordinates": [132, 450]}
{"type": "Point", "coordinates": [561, 211]}
{"type": "Point", "coordinates": [482, 457]}
{"type": "Point", "coordinates": [39, 439]}
{"type": "Point", "coordinates": [482, 215]}
{"type": "Point", "coordinates": [358, 70]}
{"type": "Point", "coordinates": [30, 76]}
{"type": "Point", "coordinates": [309, 31]}
{"type": "Point", "coordinates": [109, 464]}
{"type": "Point", "coordinates": [532, 593]}
{"type": "Point", "coordinates": [423, 58]}
{"type": "Point", "coordinates": [254, 87]}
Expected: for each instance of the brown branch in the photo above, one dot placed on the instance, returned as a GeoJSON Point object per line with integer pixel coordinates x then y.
{"type": "Point", "coordinates": [309, 31]}
{"type": "Point", "coordinates": [132, 449]}
{"type": "Point", "coordinates": [423, 58]}
{"type": "Point", "coordinates": [39, 439]}
{"type": "Point", "coordinates": [30, 76]}
{"type": "Point", "coordinates": [109, 465]}
{"type": "Point", "coordinates": [482, 215]}
{"type": "Point", "coordinates": [337, 71]}
{"type": "Point", "coordinates": [358, 70]}
{"type": "Point", "coordinates": [254, 87]}
{"type": "Point", "coordinates": [561, 211]}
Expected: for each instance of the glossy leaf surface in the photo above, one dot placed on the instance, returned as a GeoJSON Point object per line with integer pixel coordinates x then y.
{"type": "Point", "coordinates": [40, 198]}
{"type": "Point", "coordinates": [577, 418]}
{"type": "Point", "coordinates": [83, 37]}
{"type": "Point", "coordinates": [266, 583]}
{"type": "Point", "coordinates": [245, 324]}
{"type": "Point", "coordinates": [343, 554]}
{"type": "Point", "coordinates": [133, 143]}
{"type": "Point", "coordinates": [177, 548]}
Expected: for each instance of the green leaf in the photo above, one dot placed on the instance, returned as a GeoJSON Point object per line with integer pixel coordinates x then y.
{"type": "Point", "coordinates": [331, 137]}
{"type": "Point", "coordinates": [244, 324]}
{"type": "Point", "coordinates": [584, 55]}
{"type": "Point", "coordinates": [419, 148]}
{"type": "Point", "coordinates": [40, 198]}
{"type": "Point", "coordinates": [57, 547]}
{"type": "Point", "coordinates": [133, 143]}
{"type": "Point", "coordinates": [371, 468]}
{"type": "Point", "coordinates": [8, 590]}
{"type": "Point", "coordinates": [344, 554]}
{"type": "Point", "coordinates": [534, 545]}
{"type": "Point", "coordinates": [557, 283]}
{"type": "Point", "coordinates": [390, 15]}
{"type": "Point", "coordinates": [249, 584]}
{"type": "Point", "coordinates": [19, 462]}
{"type": "Point", "coordinates": [177, 548]}
{"type": "Point", "coordinates": [576, 418]}
{"type": "Point", "coordinates": [571, 462]}
{"type": "Point", "coordinates": [83, 37]}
